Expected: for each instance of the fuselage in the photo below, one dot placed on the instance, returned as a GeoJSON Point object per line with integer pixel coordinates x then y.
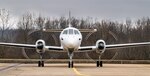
{"type": "Point", "coordinates": [70, 38]}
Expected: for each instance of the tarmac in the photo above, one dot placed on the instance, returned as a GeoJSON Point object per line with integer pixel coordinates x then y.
{"type": "Point", "coordinates": [82, 69]}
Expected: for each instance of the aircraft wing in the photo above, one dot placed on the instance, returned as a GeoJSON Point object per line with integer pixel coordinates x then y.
{"type": "Point", "coordinates": [48, 48]}
{"type": "Point", "coordinates": [54, 48]}
{"type": "Point", "coordinates": [86, 48]}
{"type": "Point", "coordinates": [113, 46]}
{"type": "Point", "coordinates": [81, 49]}
{"type": "Point", "coordinates": [18, 45]}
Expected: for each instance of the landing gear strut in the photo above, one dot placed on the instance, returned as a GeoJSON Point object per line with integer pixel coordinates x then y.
{"type": "Point", "coordinates": [41, 62]}
{"type": "Point", "coordinates": [99, 63]}
{"type": "Point", "coordinates": [70, 63]}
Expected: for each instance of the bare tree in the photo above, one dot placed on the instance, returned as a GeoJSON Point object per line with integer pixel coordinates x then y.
{"type": "Point", "coordinates": [5, 25]}
{"type": "Point", "coordinates": [25, 25]}
{"type": "Point", "coordinates": [5, 22]}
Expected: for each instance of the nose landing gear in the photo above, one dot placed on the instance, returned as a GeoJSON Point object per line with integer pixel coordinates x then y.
{"type": "Point", "coordinates": [70, 63]}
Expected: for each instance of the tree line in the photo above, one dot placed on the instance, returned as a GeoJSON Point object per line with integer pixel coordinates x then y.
{"type": "Point", "coordinates": [29, 28]}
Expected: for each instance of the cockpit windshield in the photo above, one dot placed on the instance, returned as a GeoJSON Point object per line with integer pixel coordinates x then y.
{"type": "Point", "coordinates": [71, 31]}
{"type": "Point", "coordinates": [65, 32]}
{"type": "Point", "coordinates": [76, 32]}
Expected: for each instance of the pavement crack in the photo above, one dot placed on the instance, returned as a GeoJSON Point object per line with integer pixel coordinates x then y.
{"type": "Point", "coordinates": [8, 67]}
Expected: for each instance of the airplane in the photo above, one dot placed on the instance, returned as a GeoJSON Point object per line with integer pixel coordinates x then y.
{"type": "Point", "coordinates": [70, 39]}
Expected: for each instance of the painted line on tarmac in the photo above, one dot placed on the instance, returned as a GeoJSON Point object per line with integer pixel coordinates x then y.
{"type": "Point", "coordinates": [77, 72]}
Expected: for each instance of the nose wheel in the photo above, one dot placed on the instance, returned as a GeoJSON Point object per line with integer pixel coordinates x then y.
{"type": "Point", "coordinates": [70, 64]}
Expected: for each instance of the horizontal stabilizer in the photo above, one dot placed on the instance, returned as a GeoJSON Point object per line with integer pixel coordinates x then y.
{"type": "Point", "coordinates": [60, 30]}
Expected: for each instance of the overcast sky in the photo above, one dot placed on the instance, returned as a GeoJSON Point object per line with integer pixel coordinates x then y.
{"type": "Point", "coordinates": [101, 9]}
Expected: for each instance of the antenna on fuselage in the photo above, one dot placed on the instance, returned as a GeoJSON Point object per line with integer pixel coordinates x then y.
{"type": "Point", "coordinates": [69, 19]}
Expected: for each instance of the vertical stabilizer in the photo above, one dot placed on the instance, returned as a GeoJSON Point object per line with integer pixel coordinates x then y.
{"type": "Point", "coordinates": [69, 19]}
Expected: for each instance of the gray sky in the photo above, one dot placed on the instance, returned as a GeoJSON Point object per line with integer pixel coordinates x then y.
{"type": "Point", "coordinates": [101, 9]}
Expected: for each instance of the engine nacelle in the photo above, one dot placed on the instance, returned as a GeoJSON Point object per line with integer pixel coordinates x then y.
{"type": "Point", "coordinates": [40, 46]}
{"type": "Point", "coordinates": [100, 46]}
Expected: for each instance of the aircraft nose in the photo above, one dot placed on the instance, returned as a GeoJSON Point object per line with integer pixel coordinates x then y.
{"type": "Point", "coordinates": [72, 43]}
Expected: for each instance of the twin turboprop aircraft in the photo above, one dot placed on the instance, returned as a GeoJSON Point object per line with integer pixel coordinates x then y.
{"type": "Point", "coordinates": [70, 39]}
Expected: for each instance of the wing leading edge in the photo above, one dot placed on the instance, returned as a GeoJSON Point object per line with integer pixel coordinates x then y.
{"type": "Point", "coordinates": [113, 46]}
{"type": "Point", "coordinates": [48, 48]}
{"type": "Point", "coordinates": [18, 45]}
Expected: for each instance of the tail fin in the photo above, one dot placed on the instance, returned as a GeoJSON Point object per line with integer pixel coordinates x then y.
{"type": "Point", "coordinates": [69, 19]}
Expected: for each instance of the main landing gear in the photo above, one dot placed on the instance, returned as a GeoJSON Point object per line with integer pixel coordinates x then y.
{"type": "Point", "coordinates": [99, 63]}
{"type": "Point", "coordinates": [41, 62]}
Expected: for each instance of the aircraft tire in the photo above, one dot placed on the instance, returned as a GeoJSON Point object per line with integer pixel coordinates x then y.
{"type": "Point", "coordinates": [39, 63]}
{"type": "Point", "coordinates": [101, 63]}
{"type": "Point", "coordinates": [72, 65]}
{"type": "Point", "coordinates": [97, 63]}
{"type": "Point", "coordinates": [68, 64]}
{"type": "Point", "coordinates": [42, 63]}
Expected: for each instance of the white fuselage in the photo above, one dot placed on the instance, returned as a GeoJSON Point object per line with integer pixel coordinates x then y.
{"type": "Point", "coordinates": [70, 38]}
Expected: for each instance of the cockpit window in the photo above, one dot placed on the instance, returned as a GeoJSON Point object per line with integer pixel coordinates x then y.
{"type": "Point", "coordinates": [76, 32]}
{"type": "Point", "coordinates": [65, 32]}
{"type": "Point", "coordinates": [70, 31]}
